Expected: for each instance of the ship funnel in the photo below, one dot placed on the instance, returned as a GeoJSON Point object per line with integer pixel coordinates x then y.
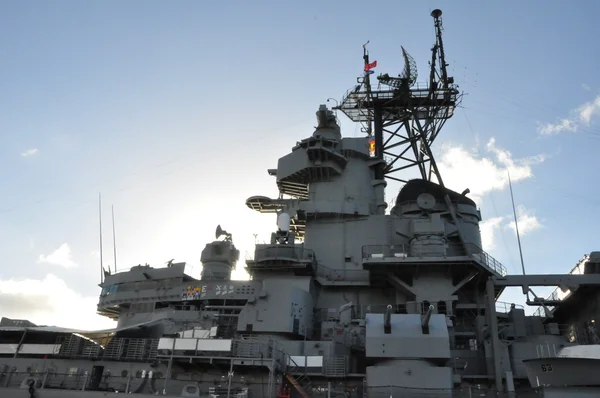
{"type": "Point", "coordinates": [436, 13]}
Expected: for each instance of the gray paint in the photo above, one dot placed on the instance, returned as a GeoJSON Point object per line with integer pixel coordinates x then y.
{"type": "Point", "coordinates": [321, 288]}
{"type": "Point", "coordinates": [324, 292]}
{"type": "Point", "coordinates": [407, 339]}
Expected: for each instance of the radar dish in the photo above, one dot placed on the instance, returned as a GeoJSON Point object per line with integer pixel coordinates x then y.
{"type": "Point", "coordinates": [425, 201]}
{"type": "Point", "coordinates": [410, 68]}
{"type": "Point", "coordinates": [407, 78]}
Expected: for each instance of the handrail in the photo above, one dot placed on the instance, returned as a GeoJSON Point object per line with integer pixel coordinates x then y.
{"type": "Point", "coordinates": [558, 294]}
{"type": "Point", "coordinates": [505, 307]}
{"type": "Point", "coordinates": [335, 275]}
{"type": "Point", "coordinates": [275, 251]}
{"type": "Point", "coordinates": [404, 252]}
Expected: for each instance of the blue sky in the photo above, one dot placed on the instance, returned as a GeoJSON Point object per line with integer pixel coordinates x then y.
{"type": "Point", "coordinates": [174, 111]}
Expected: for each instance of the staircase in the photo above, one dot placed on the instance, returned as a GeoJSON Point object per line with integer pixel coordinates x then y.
{"type": "Point", "coordinates": [296, 383]}
{"type": "Point", "coordinates": [253, 347]}
{"type": "Point", "coordinates": [298, 379]}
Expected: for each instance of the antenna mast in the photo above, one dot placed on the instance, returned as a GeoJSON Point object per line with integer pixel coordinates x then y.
{"type": "Point", "coordinates": [366, 80]}
{"type": "Point", "coordinates": [114, 238]}
{"type": "Point", "coordinates": [409, 116]}
{"type": "Point", "coordinates": [516, 223]}
{"type": "Point", "coordinates": [406, 117]}
{"type": "Point", "coordinates": [100, 219]}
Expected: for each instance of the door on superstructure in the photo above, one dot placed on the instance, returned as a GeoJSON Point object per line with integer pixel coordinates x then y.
{"type": "Point", "coordinates": [96, 377]}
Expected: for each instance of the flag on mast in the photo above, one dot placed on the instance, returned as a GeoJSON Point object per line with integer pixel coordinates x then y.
{"type": "Point", "coordinates": [370, 66]}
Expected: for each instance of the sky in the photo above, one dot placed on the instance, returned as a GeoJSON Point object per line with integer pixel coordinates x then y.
{"type": "Point", "coordinates": [174, 111]}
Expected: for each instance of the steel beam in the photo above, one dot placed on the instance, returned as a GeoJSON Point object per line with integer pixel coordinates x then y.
{"type": "Point", "coordinates": [570, 281]}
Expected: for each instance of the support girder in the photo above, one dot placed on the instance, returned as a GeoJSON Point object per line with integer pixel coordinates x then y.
{"type": "Point", "coordinates": [569, 281]}
{"type": "Point", "coordinates": [400, 284]}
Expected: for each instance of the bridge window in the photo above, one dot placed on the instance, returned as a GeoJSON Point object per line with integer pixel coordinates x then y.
{"type": "Point", "coordinates": [107, 290]}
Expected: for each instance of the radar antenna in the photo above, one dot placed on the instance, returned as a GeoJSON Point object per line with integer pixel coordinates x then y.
{"type": "Point", "coordinates": [220, 232]}
{"type": "Point", "coordinates": [404, 118]}
{"type": "Point", "coordinates": [407, 78]}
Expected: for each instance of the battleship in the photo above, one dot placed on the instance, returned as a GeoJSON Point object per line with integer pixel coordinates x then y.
{"type": "Point", "coordinates": [349, 298]}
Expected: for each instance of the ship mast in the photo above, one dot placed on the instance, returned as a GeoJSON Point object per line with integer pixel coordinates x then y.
{"type": "Point", "coordinates": [405, 117]}
{"type": "Point", "coordinates": [366, 80]}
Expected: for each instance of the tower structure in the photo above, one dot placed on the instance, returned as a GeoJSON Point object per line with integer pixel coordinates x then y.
{"type": "Point", "coordinates": [404, 117]}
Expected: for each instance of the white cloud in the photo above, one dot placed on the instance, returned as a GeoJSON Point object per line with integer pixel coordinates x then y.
{"type": "Point", "coordinates": [580, 116]}
{"type": "Point", "coordinates": [51, 302]}
{"type": "Point", "coordinates": [30, 152]}
{"type": "Point", "coordinates": [563, 125]}
{"type": "Point", "coordinates": [488, 230]}
{"type": "Point", "coordinates": [588, 110]}
{"type": "Point", "coordinates": [61, 256]}
{"type": "Point", "coordinates": [528, 222]}
{"type": "Point", "coordinates": [585, 87]}
{"type": "Point", "coordinates": [462, 168]}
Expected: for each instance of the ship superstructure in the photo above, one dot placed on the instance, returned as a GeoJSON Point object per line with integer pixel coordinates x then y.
{"type": "Point", "coordinates": [348, 299]}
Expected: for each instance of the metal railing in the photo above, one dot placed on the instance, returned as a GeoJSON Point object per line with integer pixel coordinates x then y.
{"type": "Point", "coordinates": [437, 251]}
{"type": "Point", "coordinates": [443, 204]}
{"type": "Point", "coordinates": [129, 349]}
{"type": "Point", "coordinates": [505, 307]}
{"type": "Point", "coordinates": [558, 294]}
{"type": "Point", "coordinates": [142, 383]}
{"type": "Point", "coordinates": [342, 275]}
{"type": "Point", "coordinates": [464, 392]}
{"type": "Point", "coordinates": [281, 253]}
{"type": "Point", "coordinates": [81, 380]}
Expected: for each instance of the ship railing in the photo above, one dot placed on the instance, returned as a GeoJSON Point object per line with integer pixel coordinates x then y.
{"type": "Point", "coordinates": [558, 294]}
{"type": "Point", "coordinates": [418, 89]}
{"type": "Point", "coordinates": [541, 312]}
{"type": "Point", "coordinates": [584, 333]}
{"type": "Point", "coordinates": [358, 311]}
{"type": "Point", "coordinates": [342, 275]}
{"type": "Point", "coordinates": [477, 390]}
{"type": "Point", "coordinates": [131, 349]}
{"type": "Point", "coordinates": [546, 350]}
{"type": "Point", "coordinates": [505, 307]}
{"type": "Point", "coordinates": [80, 379]}
{"type": "Point", "coordinates": [275, 252]}
{"type": "Point", "coordinates": [332, 366]}
{"type": "Point", "coordinates": [414, 204]}
{"type": "Point", "coordinates": [438, 251]}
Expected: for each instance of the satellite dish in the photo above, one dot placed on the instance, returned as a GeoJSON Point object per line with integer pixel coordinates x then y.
{"type": "Point", "coordinates": [436, 13]}
{"type": "Point", "coordinates": [425, 201]}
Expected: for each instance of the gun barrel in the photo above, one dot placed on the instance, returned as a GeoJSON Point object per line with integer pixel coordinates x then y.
{"type": "Point", "coordinates": [427, 317]}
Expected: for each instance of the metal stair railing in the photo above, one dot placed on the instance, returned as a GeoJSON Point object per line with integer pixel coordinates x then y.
{"type": "Point", "coordinates": [293, 372]}
{"type": "Point", "coordinates": [298, 378]}
{"type": "Point", "coordinates": [290, 369]}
